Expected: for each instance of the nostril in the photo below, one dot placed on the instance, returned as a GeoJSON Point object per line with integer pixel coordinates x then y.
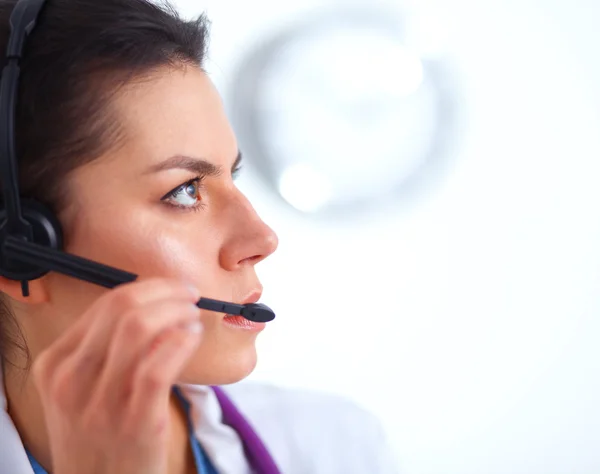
{"type": "Point", "coordinates": [254, 259]}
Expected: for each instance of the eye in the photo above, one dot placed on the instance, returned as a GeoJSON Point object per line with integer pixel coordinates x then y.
{"type": "Point", "coordinates": [186, 196]}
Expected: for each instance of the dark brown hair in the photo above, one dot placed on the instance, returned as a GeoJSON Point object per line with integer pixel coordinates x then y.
{"type": "Point", "coordinates": [79, 55]}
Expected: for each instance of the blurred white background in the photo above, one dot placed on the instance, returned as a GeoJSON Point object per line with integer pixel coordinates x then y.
{"type": "Point", "coordinates": [467, 320]}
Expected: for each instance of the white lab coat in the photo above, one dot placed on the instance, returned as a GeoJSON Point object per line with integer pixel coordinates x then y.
{"type": "Point", "coordinates": [313, 433]}
{"type": "Point", "coordinates": [305, 432]}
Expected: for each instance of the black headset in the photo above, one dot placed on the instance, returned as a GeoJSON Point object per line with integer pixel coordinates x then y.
{"type": "Point", "coordinates": [30, 233]}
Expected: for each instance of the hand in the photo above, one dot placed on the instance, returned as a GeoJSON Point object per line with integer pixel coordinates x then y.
{"type": "Point", "coordinates": [105, 384]}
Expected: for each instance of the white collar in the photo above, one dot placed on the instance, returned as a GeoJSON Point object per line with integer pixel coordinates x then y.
{"type": "Point", "coordinates": [221, 443]}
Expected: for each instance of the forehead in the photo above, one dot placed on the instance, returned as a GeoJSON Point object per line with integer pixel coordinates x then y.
{"type": "Point", "coordinates": [175, 111]}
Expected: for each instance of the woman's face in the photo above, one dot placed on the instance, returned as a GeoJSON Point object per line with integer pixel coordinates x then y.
{"type": "Point", "coordinates": [165, 204]}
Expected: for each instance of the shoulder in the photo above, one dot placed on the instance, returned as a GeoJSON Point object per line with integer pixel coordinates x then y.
{"type": "Point", "coordinates": [272, 402]}
{"type": "Point", "coordinates": [309, 431]}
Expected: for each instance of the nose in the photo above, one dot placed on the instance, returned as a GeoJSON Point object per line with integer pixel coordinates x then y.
{"type": "Point", "coordinates": [250, 239]}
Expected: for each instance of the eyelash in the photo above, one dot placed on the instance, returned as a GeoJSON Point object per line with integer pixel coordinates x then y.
{"type": "Point", "coordinates": [198, 182]}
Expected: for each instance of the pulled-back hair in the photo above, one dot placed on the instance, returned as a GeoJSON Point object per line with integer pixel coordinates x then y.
{"type": "Point", "coordinates": [78, 57]}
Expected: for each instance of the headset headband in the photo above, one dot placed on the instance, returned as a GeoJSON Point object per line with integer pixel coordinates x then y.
{"type": "Point", "coordinates": [22, 22]}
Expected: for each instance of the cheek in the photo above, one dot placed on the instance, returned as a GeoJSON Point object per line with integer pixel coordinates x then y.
{"type": "Point", "coordinates": [149, 244]}
{"type": "Point", "coordinates": [154, 243]}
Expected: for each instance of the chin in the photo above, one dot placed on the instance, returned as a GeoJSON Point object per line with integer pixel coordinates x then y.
{"type": "Point", "coordinates": [219, 369]}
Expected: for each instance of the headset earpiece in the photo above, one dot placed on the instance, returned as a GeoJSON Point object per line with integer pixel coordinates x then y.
{"type": "Point", "coordinates": [47, 232]}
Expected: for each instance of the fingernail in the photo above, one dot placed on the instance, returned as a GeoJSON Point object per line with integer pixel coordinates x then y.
{"type": "Point", "coordinates": [193, 291]}
{"type": "Point", "coordinates": [194, 328]}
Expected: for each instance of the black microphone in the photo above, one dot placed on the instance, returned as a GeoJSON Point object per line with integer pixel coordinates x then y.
{"type": "Point", "coordinates": [110, 277]}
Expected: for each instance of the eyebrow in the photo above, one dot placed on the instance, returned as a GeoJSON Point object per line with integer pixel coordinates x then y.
{"type": "Point", "coordinates": [195, 165]}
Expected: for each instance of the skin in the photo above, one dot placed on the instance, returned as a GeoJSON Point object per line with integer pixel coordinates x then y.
{"type": "Point", "coordinates": [137, 337]}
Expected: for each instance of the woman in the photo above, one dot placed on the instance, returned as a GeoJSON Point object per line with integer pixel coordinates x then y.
{"type": "Point", "coordinates": [123, 135]}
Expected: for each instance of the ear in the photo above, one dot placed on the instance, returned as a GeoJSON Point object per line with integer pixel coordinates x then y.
{"type": "Point", "coordinates": [38, 291]}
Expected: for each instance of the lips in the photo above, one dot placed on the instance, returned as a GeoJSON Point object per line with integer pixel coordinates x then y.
{"type": "Point", "coordinates": [240, 322]}
{"type": "Point", "coordinates": [252, 296]}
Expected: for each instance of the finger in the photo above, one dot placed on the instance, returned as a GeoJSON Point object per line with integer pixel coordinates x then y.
{"type": "Point", "coordinates": [85, 361]}
{"type": "Point", "coordinates": [135, 334]}
{"type": "Point", "coordinates": [137, 294]}
{"type": "Point", "coordinates": [112, 304]}
{"type": "Point", "coordinates": [155, 376]}
{"type": "Point", "coordinates": [103, 317]}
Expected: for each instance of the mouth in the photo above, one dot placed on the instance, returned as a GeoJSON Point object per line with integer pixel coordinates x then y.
{"type": "Point", "coordinates": [239, 322]}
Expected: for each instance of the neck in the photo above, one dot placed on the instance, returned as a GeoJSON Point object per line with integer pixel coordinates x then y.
{"type": "Point", "coordinates": [26, 411]}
